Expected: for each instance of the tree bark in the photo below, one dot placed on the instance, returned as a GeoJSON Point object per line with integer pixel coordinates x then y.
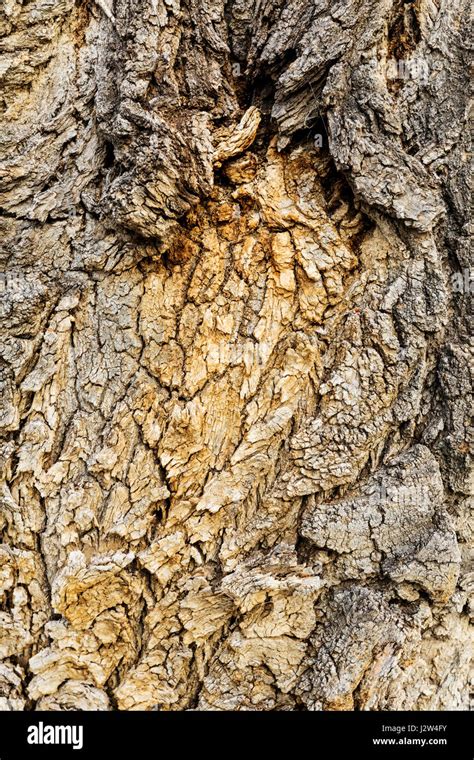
{"type": "Point", "coordinates": [236, 362]}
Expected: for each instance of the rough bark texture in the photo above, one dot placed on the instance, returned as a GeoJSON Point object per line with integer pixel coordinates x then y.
{"type": "Point", "coordinates": [236, 362]}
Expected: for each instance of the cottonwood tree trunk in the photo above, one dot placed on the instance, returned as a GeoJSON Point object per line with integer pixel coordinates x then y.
{"type": "Point", "coordinates": [236, 368]}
